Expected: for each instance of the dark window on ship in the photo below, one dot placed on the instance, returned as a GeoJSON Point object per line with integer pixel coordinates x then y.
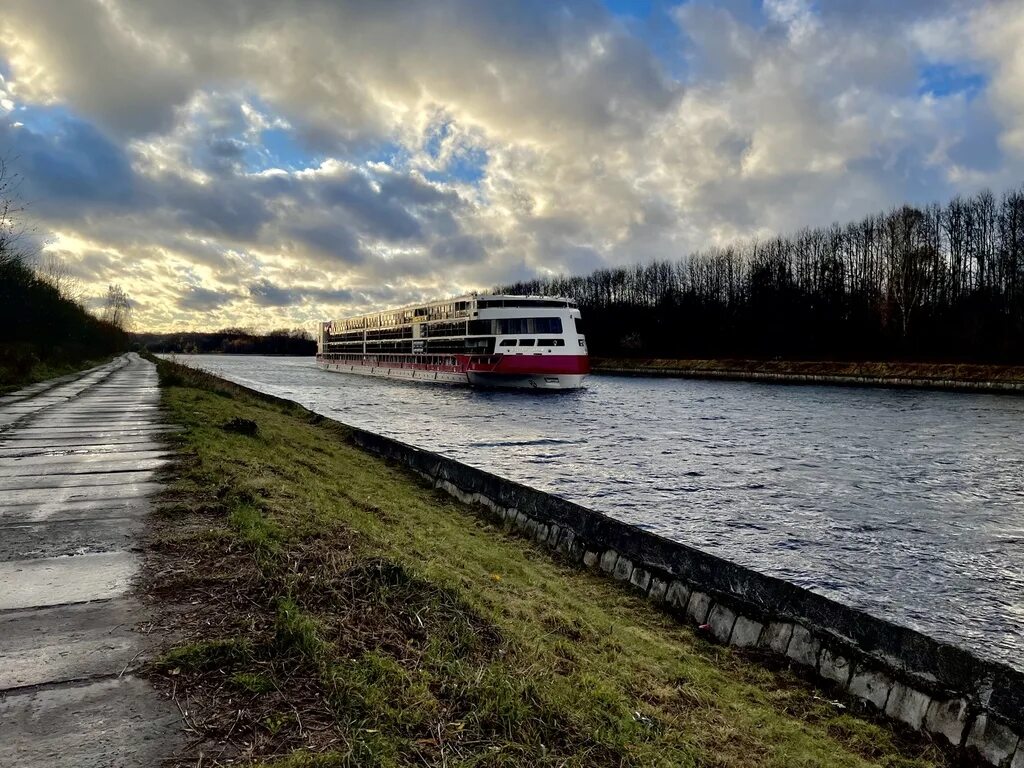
{"type": "Point", "coordinates": [516, 325]}
{"type": "Point", "coordinates": [511, 325]}
{"type": "Point", "coordinates": [480, 327]}
{"type": "Point", "coordinates": [551, 342]}
{"type": "Point", "coordinates": [579, 325]}
{"type": "Point", "coordinates": [546, 324]}
{"type": "Point", "coordinates": [527, 342]}
{"type": "Point", "coordinates": [507, 343]}
{"type": "Point", "coordinates": [443, 329]}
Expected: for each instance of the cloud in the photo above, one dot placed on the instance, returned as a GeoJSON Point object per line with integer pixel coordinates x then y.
{"type": "Point", "coordinates": [89, 55]}
{"type": "Point", "coordinates": [299, 156]}
{"type": "Point", "coordinates": [462, 248]}
{"type": "Point", "coordinates": [203, 299]}
{"type": "Point", "coordinates": [267, 294]}
{"type": "Point", "coordinates": [70, 164]}
{"type": "Point", "coordinates": [996, 32]}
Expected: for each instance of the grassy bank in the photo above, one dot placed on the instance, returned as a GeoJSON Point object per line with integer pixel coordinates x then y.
{"type": "Point", "coordinates": [883, 371]}
{"type": "Point", "coordinates": [11, 380]}
{"type": "Point", "coordinates": [334, 611]}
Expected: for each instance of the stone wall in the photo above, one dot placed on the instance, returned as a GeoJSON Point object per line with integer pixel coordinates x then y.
{"type": "Point", "coordinates": [929, 685]}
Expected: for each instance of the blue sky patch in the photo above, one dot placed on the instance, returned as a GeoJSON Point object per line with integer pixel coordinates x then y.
{"type": "Point", "coordinates": [640, 9]}
{"type": "Point", "coordinates": [283, 151]}
{"type": "Point", "coordinates": [948, 79]}
{"type": "Point", "coordinates": [466, 164]}
{"type": "Point", "coordinates": [467, 167]}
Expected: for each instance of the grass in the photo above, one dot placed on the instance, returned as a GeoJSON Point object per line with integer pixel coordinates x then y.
{"type": "Point", "coordinates": [338, 612]}
{"type": "Point", "coordinates": [13, 378]}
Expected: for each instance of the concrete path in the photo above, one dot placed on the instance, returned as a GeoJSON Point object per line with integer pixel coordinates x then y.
{"type": "Point", "coordinates": [77, 462]}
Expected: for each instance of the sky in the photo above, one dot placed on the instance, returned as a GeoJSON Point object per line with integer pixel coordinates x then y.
{"type": "Point", "coordinates": [268, 163]}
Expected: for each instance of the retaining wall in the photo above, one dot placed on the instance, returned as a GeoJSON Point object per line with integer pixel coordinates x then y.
{"type": "Point", "coordinates": [929, 685]}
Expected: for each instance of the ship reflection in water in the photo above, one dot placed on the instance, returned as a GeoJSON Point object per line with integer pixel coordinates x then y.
{"type": "Point", "coordinates": [906, 504]}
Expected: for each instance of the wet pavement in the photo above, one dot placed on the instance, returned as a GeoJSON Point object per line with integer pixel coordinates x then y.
{"type": "Point", "coordinates": [78, 457]}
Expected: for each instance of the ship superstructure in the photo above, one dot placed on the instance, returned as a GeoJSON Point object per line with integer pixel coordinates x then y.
{"type": "Point", "coordinates": [533, 342]}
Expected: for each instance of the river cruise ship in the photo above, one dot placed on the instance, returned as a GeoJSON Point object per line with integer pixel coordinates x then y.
{"type": "Point", "coordinates": [527, 342]}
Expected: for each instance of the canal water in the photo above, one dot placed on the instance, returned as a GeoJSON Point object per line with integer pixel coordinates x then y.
{"type": "Point", "coordinates": [907, 504]}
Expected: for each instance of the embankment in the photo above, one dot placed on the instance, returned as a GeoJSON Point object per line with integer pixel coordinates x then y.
{"type": "Point", "coordinates": [975, 705]}
{"type": "Point", "coordinates": [335, 610]}
{"type": "Point", "coordinates": [927, 684]}
{"type": "Point", "coordinates": [954, 377]}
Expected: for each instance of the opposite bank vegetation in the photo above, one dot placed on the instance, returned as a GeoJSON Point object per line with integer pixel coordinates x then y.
{"type": "Point", "coordinates": [332, 610]}
{"type": "Point", "coordinates": [931, 283]}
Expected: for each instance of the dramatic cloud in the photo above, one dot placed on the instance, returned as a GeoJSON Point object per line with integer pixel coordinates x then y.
{"type": "Point", "coordinates": [266, 163]}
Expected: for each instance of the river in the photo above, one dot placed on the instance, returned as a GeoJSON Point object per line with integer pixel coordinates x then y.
{"type": "Point", "coordinates": [907, 504]}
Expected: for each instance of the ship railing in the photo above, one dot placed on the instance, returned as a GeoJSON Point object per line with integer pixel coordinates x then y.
{"type": "Point", "coordinates": [444, 363]}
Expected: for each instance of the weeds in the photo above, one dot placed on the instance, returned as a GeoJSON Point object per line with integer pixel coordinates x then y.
{"type": "Point", "coordinates": [207, 654]}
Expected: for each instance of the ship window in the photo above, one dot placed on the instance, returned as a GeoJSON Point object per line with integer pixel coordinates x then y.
{"type": "Point", "coordinates": [507, 343]}
{"type": "Point", "coordinates": [551, 342]}
{"type": "Point", "coordinates": [512, 325]}
{"type": "Point", "coordinates": [546, 324]}
{"type": "Point", "coordinates": [480, 327]}
{"type": "Point", "coordinates": [579, 325]}
{"type": "Point", "coordinates": [527, 342]}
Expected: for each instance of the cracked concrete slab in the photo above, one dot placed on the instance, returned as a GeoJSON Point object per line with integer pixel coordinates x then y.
{"type": "Point", "coordinates": [75, 465]}
{"type": "Point", "coordinates": [78, 464]}
{"type": "Point", "coordinates": [78, 509]}
{"type": "Point", "coordinates": [68, 579]}
{"type": "Point", "coordinates": [94, 449]}
{"type": "Point", "coordinates": [122, 490]}
{"type": "Point", "coordinates": [116, 722]}
{"type": "Point", "coordinates": [77, 480]}
{"type": "Point", "coordinates": [36, 642]}
{"type": "Point", "coordinates": [20, 541]}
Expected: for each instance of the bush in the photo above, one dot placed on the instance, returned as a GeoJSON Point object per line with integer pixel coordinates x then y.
{"type": "Point", "coordinates": [45, 332]}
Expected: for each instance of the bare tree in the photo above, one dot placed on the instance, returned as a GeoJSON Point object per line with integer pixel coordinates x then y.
{"type": "Point", "coordinates": [11, 227]}
{"type": "Point", "coordinates": [118, 308]}
{"type": "Point", "coordinates": [52, 269]}
{"type": "Point", "coordinates": [911, 263]}
{"type": "Point", "coordinates": [929, 282]}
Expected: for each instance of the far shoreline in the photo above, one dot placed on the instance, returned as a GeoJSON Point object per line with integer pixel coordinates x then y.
{"type": "Point", "coordinates": [943, 377]}
{"type": "Point", "coordinates": [949, 377]}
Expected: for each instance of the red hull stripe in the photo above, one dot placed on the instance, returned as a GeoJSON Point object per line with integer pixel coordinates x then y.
{"type": "Point", "coordinates": [534, 364]}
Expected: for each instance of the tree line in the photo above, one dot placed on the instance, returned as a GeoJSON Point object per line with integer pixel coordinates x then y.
{"type": "Point", "coordinates": [45, 328]}
{"type": "Point", "coordinates": [939, 282]}
{"type": "Point", "coordinates": [285, 341]}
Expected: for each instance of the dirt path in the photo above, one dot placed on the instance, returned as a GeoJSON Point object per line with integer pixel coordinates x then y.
{"type": "Point", "coordinates": [77, 463]}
